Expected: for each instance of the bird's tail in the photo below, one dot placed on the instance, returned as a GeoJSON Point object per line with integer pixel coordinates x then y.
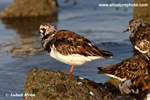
{"type": "Point", "coordinates": [107, 70]}
{"type": "Point", "coordinates": [105, 54]}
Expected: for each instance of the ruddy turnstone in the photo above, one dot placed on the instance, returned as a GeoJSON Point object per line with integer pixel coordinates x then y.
{"type": "Point", "coordinates": [129, 68]}
{"type": "Point", "coordinates": [140, 34]}
{"type": "Point", "coordinates": [69, 47]}
{"type": "Point", "coordinates": [139, 87]}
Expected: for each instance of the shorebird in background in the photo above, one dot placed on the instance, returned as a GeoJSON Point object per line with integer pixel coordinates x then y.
{"type": "Point", "coordinates": [69, 47]}
{"type": "Point", "coordinates": [129, 68]}
{"type": "Point", "coordinates": [140, 34]}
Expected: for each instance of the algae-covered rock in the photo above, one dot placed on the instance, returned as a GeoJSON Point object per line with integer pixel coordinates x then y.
{"type": "Point", "coordinates": [30, 8]}
{"type": "Point", "coordinates": [49, 85]}
{"type": "Point", "coordinates": [112, 83]}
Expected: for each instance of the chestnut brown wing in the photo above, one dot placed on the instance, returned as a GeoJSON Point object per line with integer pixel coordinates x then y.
{"type": "Point", "coordinates": [71, 43]}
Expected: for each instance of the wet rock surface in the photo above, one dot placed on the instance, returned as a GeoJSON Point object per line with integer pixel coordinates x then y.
{"type": "Point", "coordinates": [112, 83]}
{"type": "Point", "coordinates": [49, 85]}
{"type": "Point", "coordinates": [30, 8]}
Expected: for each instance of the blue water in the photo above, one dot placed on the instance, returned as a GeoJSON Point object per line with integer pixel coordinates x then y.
{"type": "Point", "coordinates": [21, 51]}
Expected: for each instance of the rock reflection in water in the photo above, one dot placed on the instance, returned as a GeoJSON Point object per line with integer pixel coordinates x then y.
{"type": "Point", "coordinates": [27, 42]}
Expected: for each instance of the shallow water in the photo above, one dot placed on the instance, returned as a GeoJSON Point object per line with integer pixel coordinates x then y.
{"type": "Point", "coordinates": [21, 51]}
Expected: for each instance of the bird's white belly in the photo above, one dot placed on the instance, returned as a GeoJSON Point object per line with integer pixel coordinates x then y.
{"type": "Point", "coordinates": [73, 59]}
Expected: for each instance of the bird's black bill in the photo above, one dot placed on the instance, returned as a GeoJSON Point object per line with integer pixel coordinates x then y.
{"type": "Point", "coordinates": [38, 33]}
{"type": "Point", "coordinates": [126, 30]}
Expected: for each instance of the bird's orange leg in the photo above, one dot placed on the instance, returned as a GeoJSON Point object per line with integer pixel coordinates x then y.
{"type": "Point", "coordinates": [70, 71]}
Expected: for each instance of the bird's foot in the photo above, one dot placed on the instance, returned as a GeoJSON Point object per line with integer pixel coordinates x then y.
{"type": "Point", "coordinates": [67, 73]}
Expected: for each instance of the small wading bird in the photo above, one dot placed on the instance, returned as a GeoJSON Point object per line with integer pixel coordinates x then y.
{"type": "Point", "coordinates": [129, 68]}
{"type": "Point", "coordinates": [139, 87]}
{"type": "Point", "coordinates": [140, 34]}
{"type": "Point", "coordinates": [69, 47]}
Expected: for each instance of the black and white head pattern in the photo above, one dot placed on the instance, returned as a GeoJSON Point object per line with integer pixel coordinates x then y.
{"type": "Point", "coordinates": [47, 30]}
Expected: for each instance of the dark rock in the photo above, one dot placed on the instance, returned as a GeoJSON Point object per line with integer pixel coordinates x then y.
{"type": "Point", "coordinates": [30, 8]}
{"type": "Point", "coordinates": [112, 83]}
{"type": "Point", "coordinates": [143, 13]}
{"type": "Point", "coordinates": [61, 88]}
{"type": "Point", "coordinates": [50, 85]}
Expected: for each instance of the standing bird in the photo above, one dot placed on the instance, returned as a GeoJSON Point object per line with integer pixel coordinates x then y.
{"type": "Point", "coordinates": [69, 47]}
{"type": "Point", "coordinates": [139, 87]}
{"type": "Point", "coordinates": [129, 68]}
{"type": "Point", "coordinates": [140, 34]}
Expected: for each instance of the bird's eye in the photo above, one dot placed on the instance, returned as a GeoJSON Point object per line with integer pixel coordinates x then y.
{"type": "Point", "coordinates": [46, 36]}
